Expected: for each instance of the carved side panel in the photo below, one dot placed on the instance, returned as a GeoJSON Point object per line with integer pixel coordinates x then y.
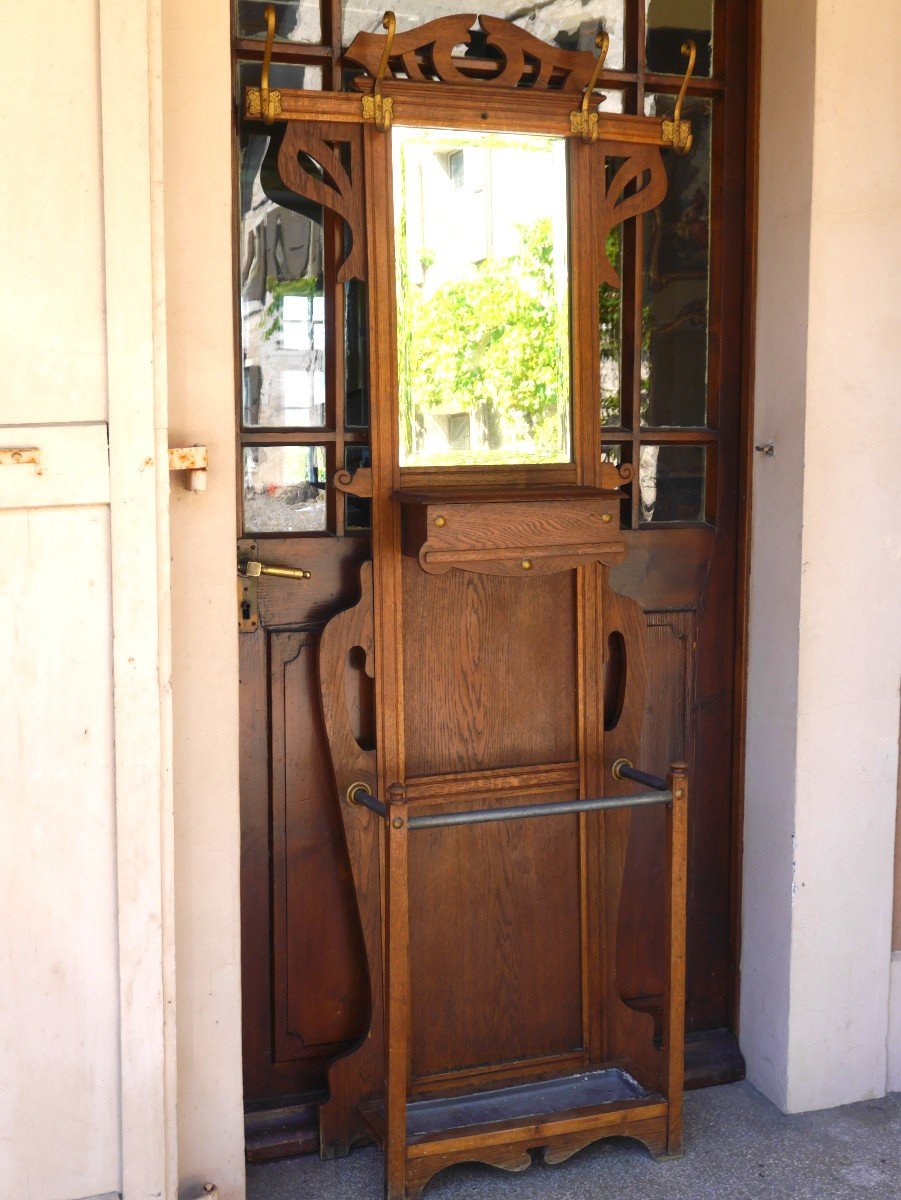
{"type": "Point", "coordinates": [518, 58]}
{"type": "Point", "coordinates": [323, 162]}
{"type": "Point", "coordinates": [629, 1033]}
{"type": "Point", "coordinates": [643, 168]}
{"type": "Point", "coordinates": [359, 1071]}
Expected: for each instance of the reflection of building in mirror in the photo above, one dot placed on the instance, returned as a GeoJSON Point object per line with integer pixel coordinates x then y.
{"type": "Point", "coordinates": [483, 297]}
{"type": "Point", "coordinates": [569, 24]}
{"type": "Point", "coordinates": [282, 307]}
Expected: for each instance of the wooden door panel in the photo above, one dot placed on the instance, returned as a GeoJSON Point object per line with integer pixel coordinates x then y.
{"type": "Point", "coordinates": [495, 947]}
{"type": "Point", "coordinates": [665, 738]}
{"type": "Point", "coordinates": [487, 687]}
{"type": "Point", "coordinates": [304, 973]}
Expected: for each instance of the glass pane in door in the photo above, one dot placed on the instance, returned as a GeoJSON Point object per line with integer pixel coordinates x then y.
{"type": "Point", "coordinates": [284, 489]}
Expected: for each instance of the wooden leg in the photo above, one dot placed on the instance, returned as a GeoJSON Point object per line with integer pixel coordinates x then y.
{"type": "Point", "coordinates": [397, 1002]}
{"type": "Point", "coordinates": [674, 1019]}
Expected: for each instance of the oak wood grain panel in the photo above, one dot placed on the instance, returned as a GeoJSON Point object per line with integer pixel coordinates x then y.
{"type": "Point", "coordinates": [664, 738]}
{"type": "Point", "coordinates": [495, 941]}
{"type": "Point", "coordinates": [487, 688]}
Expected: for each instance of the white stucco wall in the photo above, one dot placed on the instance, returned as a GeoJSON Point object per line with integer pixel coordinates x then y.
{"type": "Point", "coordinates": [59, 998]}
{"type": "Point", "coordinates": [825, 633]}
{"type": "Point", "coordinates": [198, 214]}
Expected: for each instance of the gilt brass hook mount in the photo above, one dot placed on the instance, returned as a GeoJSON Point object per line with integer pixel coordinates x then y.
{"type": "Point", "coordinates": [264, 101]}
{"type": "Point", "coordinates": [677, 132]}
{"type": "Point", "coordinates": [582, 122]}
{"type": "Point", "coordinates": [377, 108]}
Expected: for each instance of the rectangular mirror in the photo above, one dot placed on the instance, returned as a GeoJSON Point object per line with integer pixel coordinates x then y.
{"type": "Point", "coordinates": [481, 244]}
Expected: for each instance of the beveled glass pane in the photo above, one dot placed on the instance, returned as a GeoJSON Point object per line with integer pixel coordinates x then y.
{"type": "Point", "coordinates": [357, 510]}
{"type": "Point", "coordinates": [570, 24]}
{"type": "Point", "coordinates": [284, 489]}
{"type": "Point", "coordinates": [295, 20]}
{"type": "Point", "coordinates": [483, 297]}
{"type": "Point", "coordinates": [676, 282]}
{"type": "Point", "coordinates": [356, 356]}
{"type": "Point", "coordinates": [282, 298]}
{"type": "Point", "coordinates": [671, 482]}
{"type": "Point", "coordinates": [669, 23]}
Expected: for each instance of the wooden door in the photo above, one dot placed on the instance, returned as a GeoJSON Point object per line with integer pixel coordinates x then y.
{"type": "Point", "coordinates": [301, 415]}
{"type": "Point", "coordinates": [672, 406]}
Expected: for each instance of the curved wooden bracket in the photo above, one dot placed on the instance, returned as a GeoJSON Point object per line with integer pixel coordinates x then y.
{"type": "Point", "coordinates": [615, 206]}
{"type": "Point", "coordinates": [310, 163]}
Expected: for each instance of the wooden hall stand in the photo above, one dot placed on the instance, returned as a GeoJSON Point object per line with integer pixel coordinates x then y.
{"type": "Point", "coordinates": [486, 850]}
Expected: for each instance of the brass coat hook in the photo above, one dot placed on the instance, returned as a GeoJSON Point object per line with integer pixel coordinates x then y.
{"type": "Point", "coordinates": [583, 122]}
{"type": "Point", "coordinates": [378, 108]}
{"type": "Point", "coordinates": [270, 102]}
{"type": "Point", "coordinates": [678, 132]}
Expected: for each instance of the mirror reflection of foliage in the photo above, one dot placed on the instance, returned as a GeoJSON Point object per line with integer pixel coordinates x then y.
{"type": "Point", "coordinates": [610, 333]}
{"type": "Point", "coordinates": [494, 344]}
{"type": "Point", "coordinates": [306, 285]}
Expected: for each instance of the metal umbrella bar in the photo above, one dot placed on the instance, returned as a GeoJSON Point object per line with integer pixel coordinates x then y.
{"type": "Point", "coordinates": [360, 793]}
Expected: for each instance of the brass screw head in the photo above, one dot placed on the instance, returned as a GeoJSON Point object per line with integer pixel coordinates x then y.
{"type": "Point", "coordinates": [526, 564]}
{"type": "Point", "coordinates": [440, 521]}
{"type": "Point", "coordinates": [679, 793]}
{"type": "Point", "coordinates": [606, 518]}
{"type": "Point", "coordinates": [398, 822]}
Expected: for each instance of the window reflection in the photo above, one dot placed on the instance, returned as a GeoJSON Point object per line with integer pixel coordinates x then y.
{"type": "Point", "coordinates": [284, 489]}
{"type": "Point", "coordinates": [295, 20]}
{"type": "Point", "coordinates": [676, 282]}
{"type": "Point", "coordinates": [570, 24]}
{"type": "Point", "coordinates": [282, 298]}
{"type": "Point", "coordinates": [671, 481]}
{"type": "Point", "coordinates": [669, 23]}
{"type": "Point", "coordinates": [483, 297]}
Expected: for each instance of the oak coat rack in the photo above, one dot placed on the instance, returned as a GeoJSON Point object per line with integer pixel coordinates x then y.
{"type": "Point", "coordinates": [487, 832]}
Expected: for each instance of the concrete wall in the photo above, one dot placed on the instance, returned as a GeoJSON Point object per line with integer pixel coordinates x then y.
{"type": "Point", "coordinates": [825, 639]}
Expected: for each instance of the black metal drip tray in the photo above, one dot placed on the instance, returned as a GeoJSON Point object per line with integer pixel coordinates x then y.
{"type": "Point", "coordinates": [523, 1101]}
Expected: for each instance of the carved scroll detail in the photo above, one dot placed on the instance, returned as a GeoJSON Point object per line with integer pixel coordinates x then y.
{"type": "Point", "coordinates": [358, 1071]}
{"type": "Point", "coordinates": [329, 183]}
{"type": "Point", "coordinates": [427, 53]}
{"type": "Point", "coordinates": [614, 207]}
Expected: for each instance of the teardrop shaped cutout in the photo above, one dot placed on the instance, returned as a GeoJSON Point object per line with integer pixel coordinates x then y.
{"type": "Point", "coordinates": [615, 669]}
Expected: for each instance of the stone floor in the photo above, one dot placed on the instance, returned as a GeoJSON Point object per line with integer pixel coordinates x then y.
{"type": "Point", "coordinates": [738, 1147]}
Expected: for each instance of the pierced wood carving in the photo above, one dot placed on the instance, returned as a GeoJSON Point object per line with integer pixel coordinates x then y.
{"type": "Point", "coordinates": [311, 163]}
{"type": "Point", "coordinates": [357, 1072]}
{"type": "Point", "coordinates": [502, 55]}
{"type": "Point", "coordinates": [614, 206]}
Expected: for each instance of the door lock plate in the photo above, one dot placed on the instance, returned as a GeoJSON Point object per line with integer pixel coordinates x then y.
{"type": "Point", "coordinates": [248, 603]}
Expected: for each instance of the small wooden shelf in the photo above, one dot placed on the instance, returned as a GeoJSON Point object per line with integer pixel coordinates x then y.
{"type": "Point", "coordinates": [511, 531]}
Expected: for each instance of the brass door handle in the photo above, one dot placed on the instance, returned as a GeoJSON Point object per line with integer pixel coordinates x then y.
{"type": "Point", "coordinates": [253, 570]}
